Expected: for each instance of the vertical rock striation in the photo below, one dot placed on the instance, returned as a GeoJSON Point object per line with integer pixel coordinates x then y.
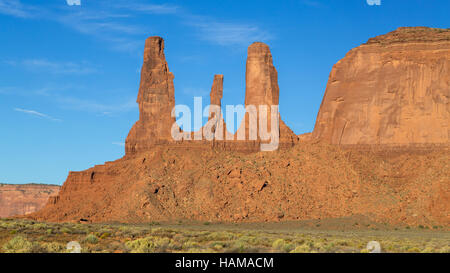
{"type": "Point", "coordinates": [217, 90]}
{"type": "Point", "coordinates": [262, 89]}
{"type": "Point", "coordinates": [219, 129]}
{"type": "Point", "coordinates": [156, 99]}
{"type": "Point", "coordinates": [394, 90]}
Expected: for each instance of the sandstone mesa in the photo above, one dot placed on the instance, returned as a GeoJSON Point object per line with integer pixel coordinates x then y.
{"type": "Point", "coordinates": [24, 199]}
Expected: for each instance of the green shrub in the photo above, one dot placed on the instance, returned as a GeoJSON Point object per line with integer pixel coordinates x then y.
{"type": "Point", "coordinates": [65, 230]}
{"type": "Point", "coordinates": [190, 244]}
{"type": "Point", "coordinates": [91, 239]}
{"type": "Point", "coordinates": [282, 246]}
{"type": "Point", "coordinates": [18, 244]}
{"type": "Point", "coordinates": [305, 248]}
{"type": "Point", "coordinates": [54, 247]}
{"type": "Point", "coordinates": [148, 245]}
{"type": "Point", "coordinates": [39, 226]}
{"type": "Point", "coordinates": [220, 236]}
{"type": "Point", "coordinates": [105, 235]}
{"type": "Point", "coordinates": [445, 249]}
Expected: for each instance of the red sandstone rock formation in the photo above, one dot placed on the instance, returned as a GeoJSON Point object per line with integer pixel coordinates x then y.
{"type": "Point", "coordinates": [395, 89]}
{"type": "Point", "coordinates": [309, 181]}
{"type": "Point", "coordinates": [24, 199]}
{"type": "Point", "coordinates": [219, 128]}
{"type": "Point", "coordinates": [262, 89]}
{"type": "Point", "coordinates": [156, 100]}
{"type": "Point", "coordinates": [217, 91]}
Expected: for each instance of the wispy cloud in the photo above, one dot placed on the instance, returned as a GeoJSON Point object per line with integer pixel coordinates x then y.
{"type": "Point", "coordinates": [104, 21]}
{"type": "Point", "coordinates": [99, 23]}
{"type": "Point", "coordinates": [107, 26]}
{"type": "Point", "coordinates": [39, 65]}
{"type": "Point", "coordinates": [228, 34]}
{"type": "Point", "coordinates": [56, 94]}
{"type": "Point", "coordinates": [96, 107]}
{"type": "Point", "coordinates": [17, 9]}
{"type": "Point", "coordinates": [36, 113]}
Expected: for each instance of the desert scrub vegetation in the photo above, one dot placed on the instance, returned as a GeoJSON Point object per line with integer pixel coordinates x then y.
{"type": "Point", "coordinates": [18, 244]}
{"type": "Point", "coordinates": [24, 236]}
{"type": "Point", "coordinates": [91, 239]}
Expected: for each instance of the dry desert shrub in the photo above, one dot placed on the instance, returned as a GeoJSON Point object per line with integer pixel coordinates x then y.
{"type": "Point", "coordinates": [91, 239]}
{"type": "Point", "coordinates": [18, 244]}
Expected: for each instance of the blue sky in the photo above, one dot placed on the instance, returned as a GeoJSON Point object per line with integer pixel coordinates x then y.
{"type": "Point", "coordinates": [69, 74]}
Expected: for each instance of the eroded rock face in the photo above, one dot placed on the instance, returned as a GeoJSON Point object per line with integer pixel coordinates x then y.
{"type": "Point", "coordinates": [261, 76]}
{"type": "Point", "coordinates": [156, 100]}
{"type": "Point", "coordinates": [24, 199]}
{"type": "Point", "coordinates": [262, 89]}
{"type": "Point", "coordinates": [219, 128]}
{"type": "Point", "coordinates": [395, 89]}
{"type": "Point", "coordinates": [217, 90]}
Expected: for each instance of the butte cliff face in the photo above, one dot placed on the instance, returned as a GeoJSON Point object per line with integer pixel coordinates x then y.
{"type": "Point", "coordinates": [156, 99]}
{"type": "Point", "coordinates": [395, 89]}
{"type": "Point", "coordinates": [24, 199]}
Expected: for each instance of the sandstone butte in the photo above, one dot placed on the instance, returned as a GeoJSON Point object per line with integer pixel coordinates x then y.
{"type": "Point", "coordinates": [392, 90]}
{"type": "Point", "coordinates": [24, 199]}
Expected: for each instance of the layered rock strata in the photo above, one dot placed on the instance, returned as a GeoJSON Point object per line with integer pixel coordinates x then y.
{"type": "Point", "coordinates": [24, 199]}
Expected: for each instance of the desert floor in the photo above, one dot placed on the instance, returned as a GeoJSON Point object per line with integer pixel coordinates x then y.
{"type": "Point", "coordinates": [332, 235]}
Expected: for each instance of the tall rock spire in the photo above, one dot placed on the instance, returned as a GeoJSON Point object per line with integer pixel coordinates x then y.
{"type": "Point", "coordinates": [219, 129]}
{"type": "Point", "coordinates": [156, 99]}
{"type": "Point", "coordinates": [261, 76]}
{"type": "Point", "coordinates": [217, 90]}
{"type": "Point", "coordinates": [262, 89]}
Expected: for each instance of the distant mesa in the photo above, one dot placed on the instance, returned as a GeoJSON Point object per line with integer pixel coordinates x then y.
{"type": "Point", "coordinates": [19, 199]}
